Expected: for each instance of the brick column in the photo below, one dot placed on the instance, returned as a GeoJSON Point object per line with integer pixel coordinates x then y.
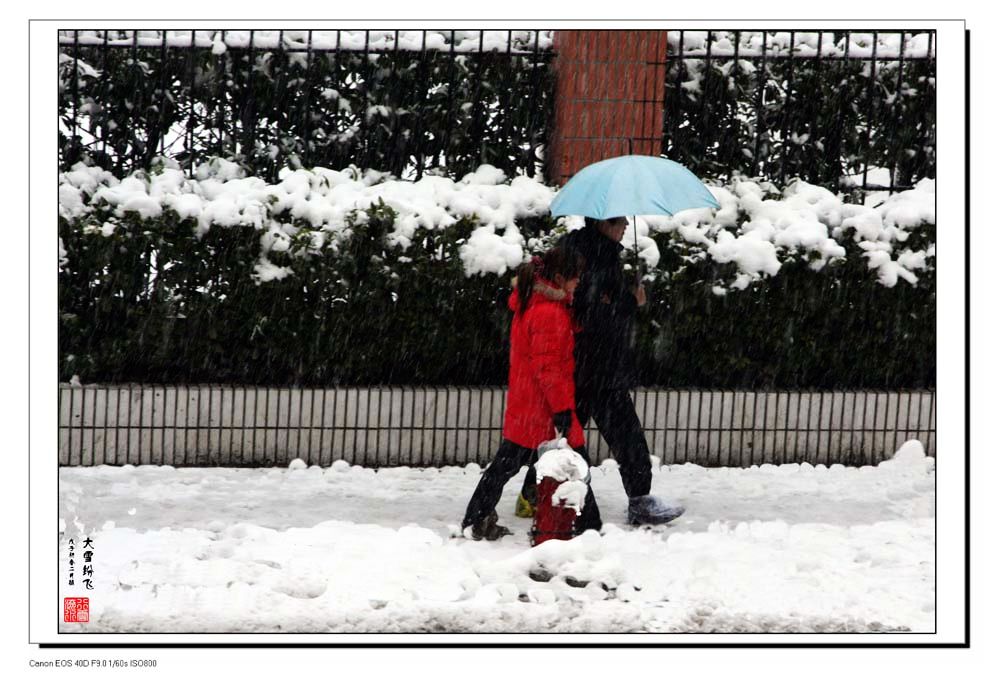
{"type": "Point", "coordinates": [609, 90]}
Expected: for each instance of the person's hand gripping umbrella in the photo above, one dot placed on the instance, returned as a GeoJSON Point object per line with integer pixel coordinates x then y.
{"type": "Point", "coordinates": [632, 185]}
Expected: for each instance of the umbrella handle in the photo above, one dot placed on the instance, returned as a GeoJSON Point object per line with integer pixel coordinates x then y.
{"type": "Point", "coordinates": [638, 261]}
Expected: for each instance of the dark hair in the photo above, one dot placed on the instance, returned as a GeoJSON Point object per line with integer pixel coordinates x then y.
{"type": "Point", "coordinates": [595, 223]}
{"type": "Point", "coordinates": [557, 261]}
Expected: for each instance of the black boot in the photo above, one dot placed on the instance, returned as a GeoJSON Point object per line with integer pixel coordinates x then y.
{"type": "Point", "coordinates": [489, 529]}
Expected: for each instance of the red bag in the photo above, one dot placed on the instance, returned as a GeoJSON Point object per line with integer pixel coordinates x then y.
{"type": "Point", "coordinates": [551, 520]}
{"type": "Point", "coordinates": [555, 518]}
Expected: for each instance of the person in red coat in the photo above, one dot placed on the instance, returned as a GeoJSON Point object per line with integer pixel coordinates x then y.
{"type": "Point", "coordinates": [541, 397]}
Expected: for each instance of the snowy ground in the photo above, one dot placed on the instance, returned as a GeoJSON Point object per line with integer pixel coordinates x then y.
{"type": "Point", "coordinates": [767, 549]}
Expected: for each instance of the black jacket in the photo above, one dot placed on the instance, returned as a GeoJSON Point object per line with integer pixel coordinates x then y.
{"type": "Point", "coordinates": [604, 308]}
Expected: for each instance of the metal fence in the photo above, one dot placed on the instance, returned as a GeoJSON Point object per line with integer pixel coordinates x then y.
{"type": "Point", "coordinates": [396, 101]}
{"type": "Point", "coordinates": [247, 426]}
{"type": "Point", "coordinates": [849, 110]}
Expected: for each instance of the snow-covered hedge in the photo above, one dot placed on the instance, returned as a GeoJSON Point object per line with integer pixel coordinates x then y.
{"type": "Point", "coordinates": [323, 248]}
{"type": "Point", "coordinates": [308, 212]}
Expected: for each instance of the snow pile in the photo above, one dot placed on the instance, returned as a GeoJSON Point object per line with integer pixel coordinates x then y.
{"type": "Point", "coordinates": [757, 228]}
{"type": "Point", "coordinates": [344, 548]}
{"type": "Point", "coordinates": [561, 464]}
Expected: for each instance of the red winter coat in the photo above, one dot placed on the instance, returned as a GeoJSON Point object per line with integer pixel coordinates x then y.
{"type": "Point", "coordinates": [540, 383]}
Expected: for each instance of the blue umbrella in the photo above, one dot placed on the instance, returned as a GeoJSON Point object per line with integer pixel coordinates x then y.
{"type": "Point", "coordinates": [632, 185]}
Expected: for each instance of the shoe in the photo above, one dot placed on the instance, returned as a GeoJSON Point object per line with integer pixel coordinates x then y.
{"type": "Point", "coordinates": [524, 507]}
{"type": "Point", "coordinates": [651, 510]}
{"type": "Point", "coordinates": [488, 529]}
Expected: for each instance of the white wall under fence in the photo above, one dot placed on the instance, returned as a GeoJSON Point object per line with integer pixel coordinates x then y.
{"type": "Point", "coordinates": [248, 426]}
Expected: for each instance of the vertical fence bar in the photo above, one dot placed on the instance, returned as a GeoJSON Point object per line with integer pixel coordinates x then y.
{"type": "Point", "coordinates": [681, 72]}
{"type": "Point", "coordinates": [852, 428]}
{"type": "Point", "coordinates": [807, 430]}
{"type": "Point", "coordinates": [707, 452]}
{"type": "Point", "coordinates": [897, 105]}
{"type": "Point", "coordinates": [666, 425]}
{"type": "Point", "coordinates": [150, 143]}
{"type": "Point", "coordinates": [655, 422]}
{"type": "Point", "coordinates": [72, 415]}
{"type": "Point", "coordinates": [210, 419]}
{"type": "Point", "coordinates": [931, 415]}
{"type": "Point", "coordinates": [897, 419]}
{"type": "Point", "coordinates": [782, 454]}
{"type": "Point", "coordinates": [813, 121]}
{"type": "Point", "coordinates": [231, 424]}
{"type": "Point", "coordinates": [760, 109]}
{"type": "Point", "coordinates": [731, 429]}
{"type": "Point", "coordinates": [434, 430]}
{"type": "Point", "coordinates": [831, 424]}
{"type": "Point", "coordinates": [117, 427]}
{"type": "Point", "coordinates": [918, 421]}
{"type": "Point", "coordinates": [189, 124]}
{"type": "Point", "coordinates": [869, 110]}
{"type": "Point", "coordinates": [141, 422]}
{"type": "Point", "coordinates": [752, 432]}
{"type": "Point", "coordinates": [821, 406]}
{"type": "Point", "coordinates": [321, 429]}
{"type": "Point", "coordinates": [533, 99]}
{"type": "Point", "coordinates": [883, 440]}
{"type": "Point", "coordinates": [369, 403]}
{"type": "Point", "coordinates": [276, 425]}
{"type": "Point", "coordinates": [503, 398]}
{"type": "Point", "coordinates": [152, 429]}
{"type": "Point", "coordinates": [300, 420]}
{"type": "Point", "coordinates": [883, 437]}
{"type": "Point", "coordinates": [75, 105]}
{"type": "Point", "coordinates": [721, 427]}
{"type": "Point", "coordinates": [241, 450]}
{"type": "Point", "coordinates": [785, 123]}
{"type": "Point", "coordinates": [645, 409]}
{"type": "Point", "coordinates": [103, 59]}
{"type": "Point", "coordinates": [82, 425]}
{"type": "Point", "coordinates": [707, 78]}
{"type": "Point", "coordinates": [106, 395]}
{"type": "Point", "coordinates": [846, 66]}
{"type": "Point", "coordinates": [766, 418]}
{"type": "Point", "coordinates": [797, 427]}
{"type": "Point", "coordinates": [265, 428]}
{"type": "Point", "coordinates": [455, 441]}
{"type": "Point", "coordinates": [876, 406]}
{"type": "Point", "coordinates": [419, 161]}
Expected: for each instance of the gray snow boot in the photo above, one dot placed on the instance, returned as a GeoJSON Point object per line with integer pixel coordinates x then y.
{"type": "Point", "coordinates": [651, 510]}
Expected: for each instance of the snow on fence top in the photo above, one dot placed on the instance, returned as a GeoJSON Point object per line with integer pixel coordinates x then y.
{"type": "Point", "coordinates": [756, 228]}
{"type": "Point", "coordinates": [372, 41]}
{"type": "Point", "coordinates": [857, 45]}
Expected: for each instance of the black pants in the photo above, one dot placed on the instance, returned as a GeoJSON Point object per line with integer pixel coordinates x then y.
{"type": "Point", "coordinates": [615, 415]}
{"type": "Point", "coordinates": [509, 460]}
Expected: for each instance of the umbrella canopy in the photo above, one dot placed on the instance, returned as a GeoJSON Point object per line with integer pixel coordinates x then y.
{"type": "Point", "coordinates": [632, 185]}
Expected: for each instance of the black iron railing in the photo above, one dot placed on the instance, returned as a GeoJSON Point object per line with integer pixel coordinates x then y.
{"type": "Point", "coordinates": [849, 110]}
{"type": "Point", "coordinates": [247, 426]}
{"type": "Point", "coordinates": [397, 101]}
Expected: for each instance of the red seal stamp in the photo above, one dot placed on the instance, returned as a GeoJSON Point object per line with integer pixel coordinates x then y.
{"type": "Point", "coordinates": [76, 610]}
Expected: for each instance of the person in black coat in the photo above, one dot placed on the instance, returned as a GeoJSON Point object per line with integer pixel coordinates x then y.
{"type": "Point", "coordinates": [604, 308]}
